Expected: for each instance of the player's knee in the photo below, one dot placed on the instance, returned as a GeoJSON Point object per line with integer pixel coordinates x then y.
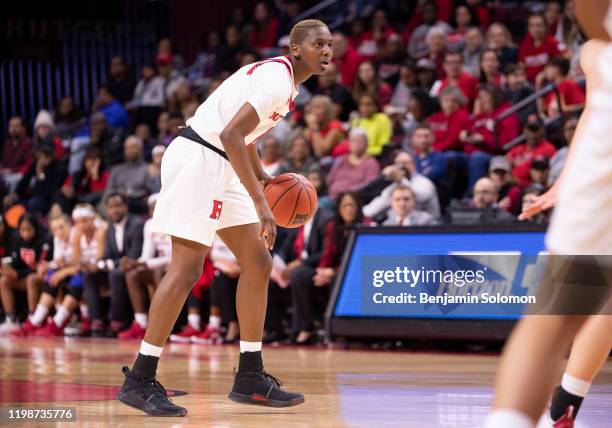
{"type": "Point", "coordinates": [184, 275]}
{"type": "Point", "coordinates": [259, 264]}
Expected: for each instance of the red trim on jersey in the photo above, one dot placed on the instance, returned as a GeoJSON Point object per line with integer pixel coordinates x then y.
{"type": "Point", "coordinates": [289, 69]}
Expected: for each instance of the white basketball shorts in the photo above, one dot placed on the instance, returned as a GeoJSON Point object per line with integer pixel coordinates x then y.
{"type": "Point", "coordinates": [200, 194]}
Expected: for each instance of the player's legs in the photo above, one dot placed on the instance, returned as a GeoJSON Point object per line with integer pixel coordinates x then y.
{"type": "Point", "coordinates": [252, 384]}
{"type": "Point", "coordinates": [34, 285]}
{"type": "Point", "coordinates": [530, 364]}
{"type": "Point", "coordinates": [140, 389]}
{"type": "Point", "coordinates": [7, 285]}
{"type": "Point", "coordinates": [590, 350]}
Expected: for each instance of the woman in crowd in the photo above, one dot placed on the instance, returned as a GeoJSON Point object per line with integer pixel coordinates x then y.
{"type": "Point", "coordinates": [367, 81]}
{"type": "Point", "coordinates": [374, 122]}
{"type": "Point", "coordinates": [323, 132]}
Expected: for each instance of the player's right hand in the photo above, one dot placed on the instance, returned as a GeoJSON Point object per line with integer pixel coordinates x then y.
{"type": "Point", "coordinates": [267, 223]}
{"type": "Point", "coordinates": [542, 203]}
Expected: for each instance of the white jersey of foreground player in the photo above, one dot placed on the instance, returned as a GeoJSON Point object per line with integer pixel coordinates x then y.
{"type": "Point", "coordinates": [582, 219]}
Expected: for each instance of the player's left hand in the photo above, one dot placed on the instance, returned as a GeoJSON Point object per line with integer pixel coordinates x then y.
{"type": "Point", "coordinates": [267, 222]}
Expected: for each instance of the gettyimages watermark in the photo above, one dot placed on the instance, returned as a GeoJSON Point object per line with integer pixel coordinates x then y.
{"type": "Point", "coordinates": [497, 285]}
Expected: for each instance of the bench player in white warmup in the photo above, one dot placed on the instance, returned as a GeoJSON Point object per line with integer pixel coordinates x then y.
{"type": "Point", "coordinates": [212, 183]}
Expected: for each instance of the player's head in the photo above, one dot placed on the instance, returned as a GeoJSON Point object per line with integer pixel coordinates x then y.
{"type": "Point", "coordinates": [83, 216]}
{"type": "Point", "coordinates": [60, 226]}
{"type": "Point", "coordinates": [311, 44]}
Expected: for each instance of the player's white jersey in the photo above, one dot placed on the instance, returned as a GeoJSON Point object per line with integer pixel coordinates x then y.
{"type": "Point", "coordinates": [156, 248]}
{"type": "Point", "coordinates": [267, 85]}
{"type": "Point", "coordinates": [62, 250]}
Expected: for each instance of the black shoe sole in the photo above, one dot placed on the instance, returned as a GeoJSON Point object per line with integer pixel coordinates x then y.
{"type": "Point", "coordinates": [138, 403]}
{"type": "Point", "coordinates": [260, 400]}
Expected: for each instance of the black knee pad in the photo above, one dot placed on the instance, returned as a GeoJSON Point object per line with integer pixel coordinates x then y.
{"type": "Point", "coordinates": [75, 292]}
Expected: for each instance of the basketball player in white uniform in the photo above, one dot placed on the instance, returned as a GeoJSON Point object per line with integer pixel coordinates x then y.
{"type": "Point", "coordinates": [581, 225]}
{"type": "Point", "coordinates": [212, 184]}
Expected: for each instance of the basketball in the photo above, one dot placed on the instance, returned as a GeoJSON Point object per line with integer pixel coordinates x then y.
{"type": "Point", "coordinates": [292, 199]}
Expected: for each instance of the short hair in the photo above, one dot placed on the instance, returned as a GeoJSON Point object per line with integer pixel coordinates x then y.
{"type": "Point", "coordinates": [513, 68]}
{"type": "Point", "coordinates": [135, 139]}
{"type": "Point", "coordinates": [455, 92]}
{"type": "Point", "coordinates": [300, 30]}
{"type": "Point", "coordinates": [402, 187]}
{"type": "Point", "coordinates": [358, 132]}
{"type": "Point", "coordinates": [561, 63]}
{"type": "Point", "coordinates": [436, 30]}
{"type": "Point", "coordinates": [424, 126]}
{"type": "Point", "coordinates": [454, 53]}
{"type": "Point", "coordinates": [115, 195]}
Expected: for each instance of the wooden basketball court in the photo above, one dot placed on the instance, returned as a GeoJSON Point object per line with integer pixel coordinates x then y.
{"type": "Point", "coordinates": [342, 388]}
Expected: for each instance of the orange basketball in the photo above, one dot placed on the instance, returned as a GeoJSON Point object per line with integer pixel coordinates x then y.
{"type": "Point", "coordinates": [292, 199]}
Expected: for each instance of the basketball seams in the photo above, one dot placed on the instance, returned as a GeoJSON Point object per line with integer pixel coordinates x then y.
{"type": "Point", "coordinates": [295, 204]}
{"type": "Point", "coordinates": [283, 194]}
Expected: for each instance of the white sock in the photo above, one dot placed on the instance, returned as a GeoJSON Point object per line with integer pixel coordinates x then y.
{"type": "Point", "coordinates": [250, 346]}
{"type": "Point", "coordinates": [57, 306]}
{"type": "Point", "coordinates": [84, 311]}
{"type": "Point", "coordinates": [575, 386]}
{"type": "Point", "coordinates": [508, 418]}
{"type": "Point", "coordinates": [39, 315]}
{"type": "Point", "coordinates": [61, 316]}
{"type": "Point", "coordinates": [148, 349]}
{"type": "Point", "coordinates": [141, 319]}
{"type": "Point", "coordinates": [214, 321]}
{"type": "Point", "coordinates": [194, 320]}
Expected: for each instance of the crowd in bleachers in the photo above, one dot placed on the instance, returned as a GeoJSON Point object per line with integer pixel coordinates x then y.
{"type": "Point", "coordinates": [411, 125]}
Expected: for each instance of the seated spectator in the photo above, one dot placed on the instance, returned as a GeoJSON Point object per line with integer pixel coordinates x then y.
{"type": "Point", "coordinates": [20, 272]}
{"type": "Point", "coordinates": [490, 69]}
{"type": "Point", "coordinates": [86, 185]}
{"type": "Point", "coordinates": [406, 84]}
{"type": "Point", "coordinates": [16, 153]}
{"type": "Point", "coordinates": [474, 46]}
{"type": "Point", "coordinates": [462, 21]}
{"type": "Point", "coordinates": [40, 183]}
{"type": "Point", "coordinates": [535, 145]}
{"type": "Point", "coordinates": [108, 140]}
{"type": "Point", "coordinates": [537, 48]}
{"type": "Point", "coordinates": [417, 47]}
{"type": "Point", "coordinates": [312, 286]}
{"type": "Point", "coordinates": [448, 123]}
{"type": "Point", "coordinates": [123, 238]}
{"type": "Point", "coordinates": [121, 81]}
{"type": "Point", "coordinates": [376, 124]}
{"type": "Point", "coordinates": [455, 76]}
{"type": "Point", "coordinates": [316, 177]}
{"type": "Point", "coordinates": [429, 162]}
{"type": "Point", "coordinates": [113, 110]}
{"type": "Point", "coordinates": [263, 32]}
{"type": "Point", "coordinates": [403, 212]}
{"type": "Point", "coordinates": [68, 119]}
{"type": "Point", "coordinates": [421, 107]}
{"type": "Point", "coordinates": [172, 78]}
{"type": "Point", "coordinates": [346, 59]}
{"type": "Point", "coordinates": [509, 194]}
{"type": "Point", "coordinates": [500, 40]}
{"type": "Point", "coordinates": [299, 158]}
{"type": "Point", "coordinates": [230, 53]}
{"type": "Point", "coordinates": [165, 47]}
{"type": "Point", "coordinates": [377, 194]}
{"type": "Point", "coordinates": [552, 15]}
{"type": "Point", "coordinates": [368, 82]}
{"type": "Point", "coordinates": [44, 133]}
{"type": "Point", "coordinates": [142, 275]}
{"type": "Point", "coordinates": [130, 178]}
{"type": "Point", "coordinates": [487, 134]}
{"type": "Point", "coordinates": [437, 48]}
{"type": "Point", "coordinates": [323, 132]}
{"type": "Point", "coordinates": [143, 132]}
{"type": "Point", "coordinates": [164, 136]}
{"type": "Point", "coordinates": [530, 195]}
{"type": "Point", "coordinates": [149, 97]}
{"type": "Point", "coordinates": [72, 248]}
{"type": "Point", "coordinates": [154, 171]}
{"type": "Point", "coordinates": [271, 156]}
{"type": "Point", "coordinates": [517, 89]}
{"type": "Point", "coordinates": [427, 74]}
{"type": "Point", "coordinates": [569, 97]}
{"type": "Point", "coordinates": [351, 171]}
{"type": "Point", "coordinates": [341, 97]}
{"type": "Point", "coordinates": [484, 202]}
{"type": "Point", "coordinates": [183, 100]}
{"type": "Point", "coordinates": [539, 171]}
{"type": "Point", "coordinates": [558, 160]}
{"type": "Point", "coordinates": [390, 57]}
{"type": "Point", "coordinates": [371, 43]}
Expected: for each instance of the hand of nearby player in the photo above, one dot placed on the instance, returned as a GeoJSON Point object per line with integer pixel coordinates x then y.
{"type": "Point", "coordinates": [542, 203]}
{"type": "Point", "coordinates": [267, 222]}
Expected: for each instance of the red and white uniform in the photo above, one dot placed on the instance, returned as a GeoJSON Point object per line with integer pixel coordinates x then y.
{"type": "Point", "coordinates": [535, 57]}
{"type": "Point", "coordinates": [201, 192]}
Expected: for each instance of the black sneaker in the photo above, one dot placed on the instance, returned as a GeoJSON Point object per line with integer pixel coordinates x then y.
{"type": "Point", "coordinates": [263, 389]}
{"type": "Point", "coordinates": [148, 395]}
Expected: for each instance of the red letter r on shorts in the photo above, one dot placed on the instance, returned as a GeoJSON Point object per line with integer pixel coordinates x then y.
{"type": "Point", "coordinates": [216, 211]}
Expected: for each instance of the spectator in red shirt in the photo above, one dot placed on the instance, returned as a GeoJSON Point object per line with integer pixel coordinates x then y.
{"type": "Point", "coordinates": [500, 40]}
{"type": "Point", "coordinates": [455, 76]}
{"type": "Point", "coordinates": [490, 69]}
{"type": "Point", "coordinates": [520, 156]}
{"type": "Point", "coordinates": [571, 95]}
{"type": "Point", "coordinates": [370, 43]}
{"type": "Point", "coordinates": [448, 123]}
{"type": "Point", "coordinates": [538, 47]}
{"type": "Point", "coordinates": [346, 59]}
{"type": "Point", "coordinates": [368, 82]}
{"type": "Point", "coordinates": [463, 19]}
{"type": "Point", "coordinates": [437, 46]}
{"type": "Point", "coordinates": [487, 134]}
{"type": "Point", "coordinates": [552, 14]}
{"type": "Point", "coordinates": [509, 197]}
{"type": "Point", "coordinates": [323, 131]}
{"type": "Point", "coordinates": [263, 33]}
{"type": "Point", "coordinates": [16, 153]}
